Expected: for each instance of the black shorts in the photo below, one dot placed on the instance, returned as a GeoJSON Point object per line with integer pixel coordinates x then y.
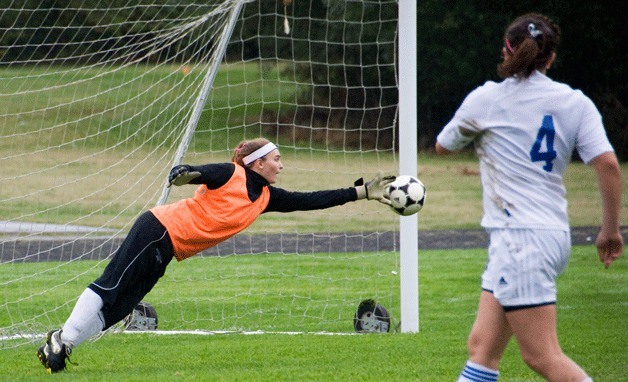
{"type": "Point", "coordinates": [134, 269]}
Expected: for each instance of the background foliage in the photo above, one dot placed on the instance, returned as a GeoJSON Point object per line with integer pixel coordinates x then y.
{"type": "Point", "coordinates": [458, 49]}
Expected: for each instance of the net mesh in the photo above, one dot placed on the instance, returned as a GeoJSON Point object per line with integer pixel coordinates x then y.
{"type": "Point", "coordinates": [97, 97]}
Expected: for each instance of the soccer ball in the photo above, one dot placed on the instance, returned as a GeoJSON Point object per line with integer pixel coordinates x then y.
{"type": "Point", "coordinates": [406, 194]}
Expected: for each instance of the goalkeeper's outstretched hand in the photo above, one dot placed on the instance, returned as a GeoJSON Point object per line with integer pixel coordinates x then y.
{"type": "Point", "coordinates": [181, 174]}
{"type": "Point", "coordinates": [374, 189]}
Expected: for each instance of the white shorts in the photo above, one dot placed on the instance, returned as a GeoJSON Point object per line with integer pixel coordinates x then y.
{"type": "Point", "coordinates": [523, 265]}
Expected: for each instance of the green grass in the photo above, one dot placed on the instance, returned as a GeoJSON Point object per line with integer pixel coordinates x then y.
{"type": "Point", "coordinates": [72, 140]}
{"type": "Point", "coordinates": [52, 167]}
{"type": "Point", "coordinates": [306, 292]}
{"type": "Point", "coordinates": [592, 310]}
{"type": "Point", "coordinates": [454, 198]}
{"type": "Point", "coordinates": [203, 293]}
{"type": "Point", "coordinates": [95, 108]}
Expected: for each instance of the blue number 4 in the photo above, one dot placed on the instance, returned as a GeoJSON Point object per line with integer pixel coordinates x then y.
{"type": "Point", "coordinates": [546, 132]}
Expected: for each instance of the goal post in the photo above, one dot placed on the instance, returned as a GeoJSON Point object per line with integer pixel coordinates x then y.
{"type": "Point", "coordinates": [199, 104]}
{"type": "Point", "coordinates": [408, 225]}
{"type": "Point", "coordinates": [99, 100]}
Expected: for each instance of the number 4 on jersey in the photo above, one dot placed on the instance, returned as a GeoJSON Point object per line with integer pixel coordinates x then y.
{"type": "Point", "coordinates": [546, 133]}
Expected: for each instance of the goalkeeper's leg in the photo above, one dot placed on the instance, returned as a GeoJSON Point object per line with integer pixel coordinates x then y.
{"type": "Point", "coordinates": [143, 258]}
{"type": "Point", "coordinates": [135, 268]}
{"type": "Point", "coordinates": [131, 274]}
{"type": "Point", "coordinates": [85, 321]}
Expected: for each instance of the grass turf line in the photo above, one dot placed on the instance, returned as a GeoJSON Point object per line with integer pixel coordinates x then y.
{"type": "Point", "coordinates": [591, 316]}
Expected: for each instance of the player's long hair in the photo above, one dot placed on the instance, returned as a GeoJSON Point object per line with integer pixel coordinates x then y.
{"type": "Point", "coordinates": [245, 148]}
{"type": "Point", "coordinates": [529, 42]}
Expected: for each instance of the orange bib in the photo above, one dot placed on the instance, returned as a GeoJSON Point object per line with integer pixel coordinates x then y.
{"type": "Point", "coordinates": [211, 216]}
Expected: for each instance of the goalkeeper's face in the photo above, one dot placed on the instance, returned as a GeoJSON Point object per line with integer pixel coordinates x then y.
{"type": "Point", "coordinates": [269, 166]}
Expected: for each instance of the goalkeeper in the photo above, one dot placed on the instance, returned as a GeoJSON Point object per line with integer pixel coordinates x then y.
{"type": "Point", "coordinates": [229, 198]}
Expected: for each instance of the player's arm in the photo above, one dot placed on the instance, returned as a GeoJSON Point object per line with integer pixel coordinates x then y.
{"type": "Point", "coordinates": [456, 135]}
{"type": "Point", "coordinates": [609, 241]}
{"type": "Point", "coordinates": [288, 201]}
{"type": "Point", "coordinates": [213, 175]}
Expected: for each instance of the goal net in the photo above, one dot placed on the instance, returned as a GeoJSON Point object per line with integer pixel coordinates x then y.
{"type": "Point", "coordinates": [99, 99]}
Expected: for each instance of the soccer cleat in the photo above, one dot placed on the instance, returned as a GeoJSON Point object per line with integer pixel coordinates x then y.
{"type": "Point", "coordinates": [54, 352]}
{"type": "Point", "coordinates": [41, 355]}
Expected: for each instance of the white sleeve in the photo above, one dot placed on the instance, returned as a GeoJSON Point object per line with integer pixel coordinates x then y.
{"type": "Point", "coordinates": [452, 139]}
{"type": "Point", "coordinates": [463, 128]}
{"type": "Point", "coordinates": [591, 140]}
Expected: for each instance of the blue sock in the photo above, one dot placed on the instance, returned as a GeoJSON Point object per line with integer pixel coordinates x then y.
{"type": "Point", "coordinates": [474, 372]}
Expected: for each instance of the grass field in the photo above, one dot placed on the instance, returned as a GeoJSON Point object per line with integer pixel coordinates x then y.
{"type": "Point", "coordinates": [453, 193]}
{"type": "Point", "coordinates": [592, 311]}
{"type": "Point", "coordinates": [64, 160]}
{"type": "Point", "coordinates": [593, 302]}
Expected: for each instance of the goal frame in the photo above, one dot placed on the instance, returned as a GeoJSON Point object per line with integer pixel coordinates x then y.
{"type": "Point", "coordinates": [407, 139]}
{"type": "Point", "coordinates": [164, 136]}
{"type": "Point", "coordinates": [408, 225]}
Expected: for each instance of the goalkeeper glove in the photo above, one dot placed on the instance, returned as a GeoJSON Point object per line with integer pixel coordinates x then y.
{"type": "Point", "coordinates": [374, 189]}
{"type": "Point", "coordinates": [182, 174]}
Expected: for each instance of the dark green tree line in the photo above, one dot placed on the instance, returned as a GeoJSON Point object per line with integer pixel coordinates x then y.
{"type": "Point", "coordinates": [458, 49]}
{"type": "Point", "coordinates": [459, 46]}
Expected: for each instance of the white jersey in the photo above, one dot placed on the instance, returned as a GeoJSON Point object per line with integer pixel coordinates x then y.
{"type": "Point", "coordinates": [525, 133]}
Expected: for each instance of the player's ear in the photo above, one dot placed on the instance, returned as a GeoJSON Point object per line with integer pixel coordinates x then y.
{"type": "Point", "coordinates": [550, 61]}
{"type": "Point", "coordinates": [258, 164]}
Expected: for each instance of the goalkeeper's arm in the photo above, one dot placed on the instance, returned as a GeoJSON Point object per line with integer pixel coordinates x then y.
{"type": "Point", "coordinates": [374, 189]}
{"type": "Point", "coordinates": [214, 175]}
{"type": "Point", "coordinates": [287, 201]}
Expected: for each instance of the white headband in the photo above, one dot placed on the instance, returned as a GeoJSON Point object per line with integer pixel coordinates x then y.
{"type": "Point", "coordinates": [255, 155]}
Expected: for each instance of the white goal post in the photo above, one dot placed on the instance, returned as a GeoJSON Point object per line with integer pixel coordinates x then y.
{"type": "Point", "coordinates": [409, 241]}
{"type": "Point", "coordinates": [100, 99]}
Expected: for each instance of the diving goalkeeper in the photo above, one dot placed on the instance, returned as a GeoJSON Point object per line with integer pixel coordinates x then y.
{"type": "Point", "coordinates": [229, 198]}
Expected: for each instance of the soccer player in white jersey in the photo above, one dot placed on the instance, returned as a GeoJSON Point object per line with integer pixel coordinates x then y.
{"type": "Point", "coordinates": [525, 130]}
